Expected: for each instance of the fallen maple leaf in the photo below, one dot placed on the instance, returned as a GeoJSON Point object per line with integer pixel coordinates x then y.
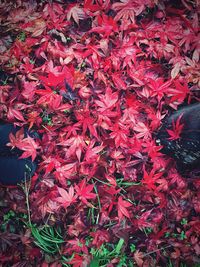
{"type": "Point", "coordinates": [92, 151]}
{"type": "Point", "coordinates": [67, 198]}
{"type": "Point", "coordinates": [142, 130]}
{"type": "Point", "coordinates": [138, 257]}
{"type": "Point", "coordinates": [77, 261]}
{"type": "Point", "coordinates": [13, 113]}
{"type": "Point", "coordinates": [177, 129]}
{"type": "Point", "coordinates": [76, 13]}
{"type": "Point", "coordinates": [75, 145]}
{"type": "Point", "coordinates": [127, 10]}
{"type": "Point", "coordinates": [122, 208]}
{"type": "Point", "coordinates": [28, 145]}
{"type": "Point", "coordinates": [108, 100]}
{"type": "Point", "coordinates": [84, 192]}
{"type": "Point", "coordinates": [15, 139]}
{"type": "Point", "coordinates": [151, 178]}
{"type": "Point", "coordinates": [64, 172]}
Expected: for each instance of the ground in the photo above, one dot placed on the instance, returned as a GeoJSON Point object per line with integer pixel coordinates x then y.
{"type": "Point", "coordinates": [95, 80]}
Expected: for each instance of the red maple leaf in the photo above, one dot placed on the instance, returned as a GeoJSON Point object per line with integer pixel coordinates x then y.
{"type": "Point", "coordinates": [77, 261]}
{"type": "Point", "coordinates": [177, 129]}
{"type": "Point", "coordinates": [76, 13]}
{"type": "Point", "coordinates": [180, 92]}
{"type": "Point", "coordinates": [122, 206]}
{"type": "Point", "coordinates": [56, 76]}
{"type": "Point", "coordinates": [52, 79]}
{"type": "Point", "coordinates": [118, 81]}
{"type": "Point", "coordinates": [152, 149]}
{"type": "Point", "coordinates": [106, 25]}
{"type": "Point", "coordinates": [111, 179]}
{"type": "Point", "coordinates": [33, 118]}
{"type": "Point", "coordinates": [28, 145]}
{"type": "Point", "coordinates": [127, 10]}
{"type": "Point", "coordinates": [158, 87]}
{"type": "Point", "coordinates": [142, 130]}
{"type": "Point", "coordinates": [120, 135]}
{"type": "Point", "coordinates": [49, 97]}
{"type": "Point", "coordinates": [84, 192]}
{"type": "Point", "coordinates": [13, 113]}
{"type": "Point", "coordinates": [100, 237]}
{"type": "Point", "coordinates": [92, 151]}
{"type": "Point", "coordinates": [143, 220]}
{"type": "Point", "coordinates": [151, 178]}
{"type": "Point", "coordinates": [76, 145]}
{"type": "Point", "coordinates": [163, 184]}
{"type": "Point", "coordinates": [15, 139]}
{"type": "Point", "coordinates": [67, 198]}
{"type": "Point", "coordinates": [86, 121]}
{"type": "Point", "coordinates": [64, 172]}
{"type": "Point", "coordinates": [107, 100]}
{"type": "Point", "coordinates": [29, 90]}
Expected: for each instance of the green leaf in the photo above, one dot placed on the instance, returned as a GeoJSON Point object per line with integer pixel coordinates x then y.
{"type": "Point", "coordinates": [184, 221]}
{"type": "Point", "coordinates": [94, 263]}
{"type": "Point", "coordinates": [46, 239]}
{"type": "Point", "coordinates": [167, 234]}
{"type": "Point", "coordinates": [132, 247]}
{"type": "Point", "coordinates": [182, 235]}
{"type": "Point", "coordinates": [119, 245]}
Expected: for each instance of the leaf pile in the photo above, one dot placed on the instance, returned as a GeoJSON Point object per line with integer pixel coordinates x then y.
{"type": "Point", "coordinates": [95, 79]}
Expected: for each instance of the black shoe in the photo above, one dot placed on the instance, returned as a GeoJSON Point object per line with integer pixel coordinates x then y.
{"type": "Point", "coordinates": [14, 170]}
{"type": "Point", "coordinates": [186, 149]}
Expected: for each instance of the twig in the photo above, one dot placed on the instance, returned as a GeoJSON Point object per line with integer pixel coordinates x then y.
{"type": "Point", "coordinates": [26, 191]}
{"type": "Point", "coordinates": [149, 253]}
